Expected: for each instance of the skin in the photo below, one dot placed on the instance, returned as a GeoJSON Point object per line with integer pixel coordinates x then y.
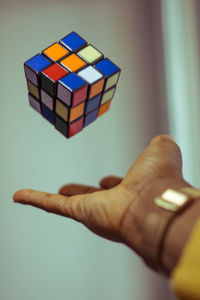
{"type": "Point", "coordinates": [117, 209]}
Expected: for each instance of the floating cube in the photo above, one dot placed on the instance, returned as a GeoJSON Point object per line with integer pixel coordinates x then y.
{"type": "Point", "coordinates": [71, 84]}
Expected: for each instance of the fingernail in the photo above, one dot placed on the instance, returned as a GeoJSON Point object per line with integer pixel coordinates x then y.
{"type": "Point", "coordinates": [169, 137]}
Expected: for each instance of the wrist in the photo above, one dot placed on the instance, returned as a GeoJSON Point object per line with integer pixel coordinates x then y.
{"type": "Point", "coordinates": [166, 231]}
{"type": "Point", "coordinates": [158, 220]}
{"type": "Point", "coordinates": [139, 212]}
{"type": "Point", "coordinates": [178, 234]}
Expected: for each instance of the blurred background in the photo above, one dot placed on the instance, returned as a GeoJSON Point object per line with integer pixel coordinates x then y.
{"type": "Point", "coordinates": [156, 44]}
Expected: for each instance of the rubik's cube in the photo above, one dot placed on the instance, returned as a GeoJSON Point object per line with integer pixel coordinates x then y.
{"type": "Point", "coordinates": [70, 83]}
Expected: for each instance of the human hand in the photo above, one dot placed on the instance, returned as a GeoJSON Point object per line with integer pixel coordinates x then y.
{"type": "Point", "coordinates": [117, 209]}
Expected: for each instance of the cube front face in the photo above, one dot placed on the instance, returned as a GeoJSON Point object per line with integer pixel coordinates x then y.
{"type": "Point", "coordinates": [108, 95]}
{"type": "Point", "coordinates": [33, 90]}
{"type": "Point", "coordinates": [71, 84]}
{"type": "Point", "coordinates": [47, 100]}
{"type": "Point", "coordinates": [75, 127]}
{"type": "Point", "coordinates": [34, 103]}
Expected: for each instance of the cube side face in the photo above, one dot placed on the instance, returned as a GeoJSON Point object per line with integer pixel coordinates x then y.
{"type": "Point", "coordinates": [91, 117]}
{"type": "Point", "coordinates": [71, 84]}
{"type": "Point", "coordinates": [30, 75]}
{"type": "Point", "coordinates": [93, 104]}
{"type": "Point", "coordinates": [104, 108]}
{"type": "Point", "coordinates": [79, 96]}
{"type": "Point", "coordinates": [108, 95]}
{"type": "Point", "coordinates": [33, 90]}
{"type": "Point", "coordinates": [34, 103]}
{"type": "Point", "coordinates": [62, 110]}
{"type": "Point", "coordinates": [112, 80]}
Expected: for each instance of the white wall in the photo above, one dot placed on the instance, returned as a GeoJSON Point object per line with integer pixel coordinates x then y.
{"type": "Point", "coordinates": [44, 256]}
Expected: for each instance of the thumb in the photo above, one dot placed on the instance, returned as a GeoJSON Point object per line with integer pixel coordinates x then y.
{"type": "Point", "coordinates": [167, 151]}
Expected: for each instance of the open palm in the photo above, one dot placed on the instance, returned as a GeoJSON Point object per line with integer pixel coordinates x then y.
{"type": "Point", "coordinates": [117, 208]}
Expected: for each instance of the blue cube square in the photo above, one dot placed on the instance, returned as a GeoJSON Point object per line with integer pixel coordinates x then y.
{"type": "Point", "coordinates": [90, 117]}
{"type": "Point", "coordinates": [93, 103]}
{"type": "Point", "coordinates": [48, 114]}
{"type": "Point", "coordinates": [73, 41]}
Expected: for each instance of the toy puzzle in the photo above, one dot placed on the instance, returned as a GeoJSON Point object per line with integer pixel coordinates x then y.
{"type": "Point", "coordinates": [71, 83]}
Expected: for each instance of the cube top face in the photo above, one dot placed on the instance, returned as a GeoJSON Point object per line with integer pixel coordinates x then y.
{"type": "Point", "coordinates": [90, 74]}
{"type": "Point", "coordinates": [107, 67]}
{"type": "Point", "coordinates": [73, 63]}
{"type": "Point", "coordinates": [72, 82]}
{"type": "Point", "coordinates": [73, 41]}
{"type": "Point", "coordinates": [38, 62]}
{"type": "Point", "coordinates": [90, 54]}
{"type": "Point", "coordinates": [55, 72]}
{"type": "Point", "coordinates": [55, 52]}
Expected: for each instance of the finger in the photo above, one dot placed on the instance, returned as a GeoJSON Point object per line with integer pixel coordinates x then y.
{"type": "Point", "coordinates": [110, 182]}
{"type": "Point", "coordinates": [161, 138]}
{"type": "Point", "coordinates": [77, 189]}
{"type": "Point", "coordinates": [72, 207]}
{"type": "Point", "coordinates": [167, 149]}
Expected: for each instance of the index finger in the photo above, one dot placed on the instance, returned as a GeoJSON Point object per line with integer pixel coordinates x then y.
{"type": "Point", "coordinates": [65, 206]}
